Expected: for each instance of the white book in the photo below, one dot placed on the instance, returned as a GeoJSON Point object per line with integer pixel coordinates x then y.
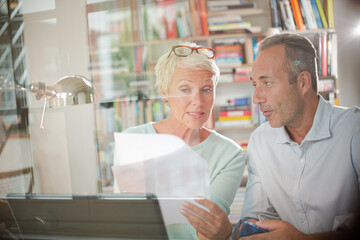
{"type": "Point", "coordinates": [312, 14]}
{"type": "Point", "coordinates": [307, 15]}
{"type": "Point", "coordinates": [290, 18]}
{"type": "Point", "coordinates": [224, 2]}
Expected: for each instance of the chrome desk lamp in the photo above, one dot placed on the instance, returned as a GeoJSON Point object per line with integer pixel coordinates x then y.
{"type": "Point", "coordinates": [67, 91]}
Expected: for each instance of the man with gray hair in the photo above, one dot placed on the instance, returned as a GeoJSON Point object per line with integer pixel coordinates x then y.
{"type": "Point", "coordinates": [304, 162]}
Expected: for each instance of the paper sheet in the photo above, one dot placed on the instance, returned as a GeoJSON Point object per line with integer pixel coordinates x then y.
{"type": "Point", "coordinates": [163, 165]}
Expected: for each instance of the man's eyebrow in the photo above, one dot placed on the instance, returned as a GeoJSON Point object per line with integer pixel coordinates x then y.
{"type": "Point", "coordinates": [260, 78]}
{"type": "Point", "coordinates": [264, 77]}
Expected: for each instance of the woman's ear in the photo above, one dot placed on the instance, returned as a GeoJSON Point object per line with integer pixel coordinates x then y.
{"type": "Point", "coordinates": [164, 95]}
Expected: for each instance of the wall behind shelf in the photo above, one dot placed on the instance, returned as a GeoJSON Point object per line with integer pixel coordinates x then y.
{"type": "Point", "coordinates": [347, 18]}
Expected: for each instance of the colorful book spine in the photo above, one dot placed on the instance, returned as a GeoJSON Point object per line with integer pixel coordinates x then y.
{"type": "Point", "coordinates": [322, 14]}
{"type": "Point", "coordinates": [297, 15]}
{"type": "Point", "coordinates": [274, 13]}
{"type": "Point", "coordinates": [235, 118]}
{"type": "Point", "coordinates": [306, 14]}
{"type": "Point", "coordinates": [324, 58]}
{"type": "Point", "coordinates": [290, 15]}
{"type": "Point", "coordinates": [235, 113]}
{"type": "Point", "coordinates": [239, 101]}
{"type": "Point", "coordinates": [317, 14]}
{"type": "Point", "coordinates": [234, 108]}
{"type": "Point", "coordinates": [330, 13]}
{"type": "Point", "coordinates": [203, 17]}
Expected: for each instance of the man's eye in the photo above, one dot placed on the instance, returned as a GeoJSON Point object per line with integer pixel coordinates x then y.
{"type": "Point", "coordinates": [207, 90]}
{"type": "Point", "coordinates": [268, 83]}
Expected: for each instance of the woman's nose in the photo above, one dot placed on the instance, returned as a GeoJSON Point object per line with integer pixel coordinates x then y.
{"type": "Point", "coordinates": [197, 98]}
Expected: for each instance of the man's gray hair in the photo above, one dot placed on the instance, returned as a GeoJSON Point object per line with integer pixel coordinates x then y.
{"type": "Point", "coordinates": [300, 55]}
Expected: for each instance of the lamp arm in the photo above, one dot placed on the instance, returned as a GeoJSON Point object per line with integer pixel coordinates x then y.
{"type": "Point", "coordinates": [38, 89]}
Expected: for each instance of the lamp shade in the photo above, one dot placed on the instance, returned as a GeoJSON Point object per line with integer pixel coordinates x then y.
{"type": "Point", "coordinates": [72, 90]}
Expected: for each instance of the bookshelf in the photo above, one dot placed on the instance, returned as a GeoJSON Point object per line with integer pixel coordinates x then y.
{"type": "Point", "coordinates": [13, 104]}
{"type": "Point", "coordinates": [127, 37]}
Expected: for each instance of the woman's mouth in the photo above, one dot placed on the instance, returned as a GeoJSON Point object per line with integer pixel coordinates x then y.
{"type": "Point", "coordinates": [196, 115]}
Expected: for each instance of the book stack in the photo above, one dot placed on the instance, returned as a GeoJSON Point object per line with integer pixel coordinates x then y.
{"type": "Point", "coordinates": [242, 74]}
{"type": "Point", "coordinates": [221, 21]}
{"type": "Point", "coordinates": [229, 52]}
{"type": "Point", "coordinates": [224, 24]}
{"type": "Point", "coordinates": [173, 19]}
{"type": "Point", "coordinates": [327, 54]}
{"type": "Point", "coordinates": [225, 5]}
{"type": "Point", "coordinates": [302, 14]}
{"type": "Point", "coordinates": [236, 113]}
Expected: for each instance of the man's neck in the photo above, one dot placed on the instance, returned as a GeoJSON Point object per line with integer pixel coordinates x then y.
{"type": "Point", "coordinates": [298, 133]}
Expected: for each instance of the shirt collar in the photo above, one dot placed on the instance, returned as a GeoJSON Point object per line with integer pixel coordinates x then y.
{"type": "Point", "coordinates": [320, 128]}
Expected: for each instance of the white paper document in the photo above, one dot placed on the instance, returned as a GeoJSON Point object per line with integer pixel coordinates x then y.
{"type": "Point", "coordinates": [163, 165]}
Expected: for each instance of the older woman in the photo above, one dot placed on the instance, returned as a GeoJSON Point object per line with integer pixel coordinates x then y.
{"type": "Point", "coordinates": [186, 78]}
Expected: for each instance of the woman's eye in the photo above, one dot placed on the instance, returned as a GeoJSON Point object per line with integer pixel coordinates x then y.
{"type": "Point", "coordinates": [184, 90]}
{"type": "Point", "coordinates": [207, 90]}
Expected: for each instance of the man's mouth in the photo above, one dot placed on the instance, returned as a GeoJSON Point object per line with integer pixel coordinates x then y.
{"type": "Point", "coordinates": [266, 113]}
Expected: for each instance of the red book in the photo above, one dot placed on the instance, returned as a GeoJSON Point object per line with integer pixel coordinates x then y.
{"type": "Point", "coordinates": [324, 59]}
{"type": "Point", "coordinates": [235, 113]}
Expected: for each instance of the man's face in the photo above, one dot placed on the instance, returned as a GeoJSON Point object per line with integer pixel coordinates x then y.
{"type": "Point", "coordinates": [191, 97]}
{"type": "Point", "coordinates": [280, 102]}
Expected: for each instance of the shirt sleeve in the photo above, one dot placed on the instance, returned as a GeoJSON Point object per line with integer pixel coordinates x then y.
{"type": "Point", "coordinates": [355, 153]}
{"type": "Point", "coordinates": [224, 187]}
{"type": "Point", "coordinates": [256, 200]}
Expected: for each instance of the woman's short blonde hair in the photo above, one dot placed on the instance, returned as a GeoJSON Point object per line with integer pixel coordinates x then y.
{"type": "Point", "coordinates": [167, 64]}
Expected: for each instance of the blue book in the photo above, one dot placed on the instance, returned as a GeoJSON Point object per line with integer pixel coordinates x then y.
{"type": "Point", "coordinates": [317, 14]}
{"type": "Point", "coordinates": [239, 101]}
{"type": "Point", "coordinates": [274, 13]}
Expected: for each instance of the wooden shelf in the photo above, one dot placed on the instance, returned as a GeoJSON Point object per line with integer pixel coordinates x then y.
{"type": "Point", "coordinates": [242, 12]}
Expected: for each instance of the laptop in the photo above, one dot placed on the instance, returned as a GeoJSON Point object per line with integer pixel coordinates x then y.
{"type": "Point", "coordinates": [100, 216]}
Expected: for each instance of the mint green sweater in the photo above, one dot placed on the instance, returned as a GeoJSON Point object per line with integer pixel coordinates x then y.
{"type": "Point", "coordinates": [226, 161]}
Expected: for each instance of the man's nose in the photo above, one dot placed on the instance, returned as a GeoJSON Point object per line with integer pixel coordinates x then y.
{"type": "Point", "coordinates": [258, 96]}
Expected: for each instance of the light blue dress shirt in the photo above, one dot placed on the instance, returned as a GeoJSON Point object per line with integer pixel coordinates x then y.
{"type": "Point", "coordinates": [314, 185]}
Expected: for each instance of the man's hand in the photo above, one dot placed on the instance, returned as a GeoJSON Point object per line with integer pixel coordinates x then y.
{"type": "Point", "coordinates": [213, 225]}
{"type": "Point", "coordinates": [278, 230]}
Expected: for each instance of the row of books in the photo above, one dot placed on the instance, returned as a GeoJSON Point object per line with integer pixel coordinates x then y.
{"type": "Point", "coordinates": [114, 60]}
{"type": "Point", "coordinates": [237, 112]}
{"type": "Point", "coordinates": [229, 53]}
{"type": "Point", "coordinates": [326, 85]}
{"type": "Point", "coordinates": [235, 51]}
{"type": "Point", "coordinates": [173, 19]}
{"type": "Point", "coordinates": [224, 5]}
{"type": "Point", "coordinates": [302, 14]}
{"type": "Point", "coordinates": [181, 19]}
{"type": "Point", "coordinates": [327, 53]}
{"type": "Point", "coordinates": [229, 23]}
{"type": "Point", "coordinates": [239, 74]}
{"type": "Point", "coordinates": [122, 114]}
{"type": "Point", "coordinates": [106, 159]}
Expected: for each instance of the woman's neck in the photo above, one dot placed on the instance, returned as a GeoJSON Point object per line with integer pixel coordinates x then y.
{"type": "Point", "coordinates": [191, 137]}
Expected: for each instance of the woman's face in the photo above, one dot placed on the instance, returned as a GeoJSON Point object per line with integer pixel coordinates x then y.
{"type": "Point", "coordinates": [191, 97]}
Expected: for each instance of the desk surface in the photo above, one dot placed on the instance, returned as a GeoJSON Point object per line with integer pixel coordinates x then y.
{"type": "Point", "coordinates": [86, 217]}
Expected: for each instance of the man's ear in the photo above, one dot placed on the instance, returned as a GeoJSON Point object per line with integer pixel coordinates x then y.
{"type": "Point", "coordinates": [304, 82]}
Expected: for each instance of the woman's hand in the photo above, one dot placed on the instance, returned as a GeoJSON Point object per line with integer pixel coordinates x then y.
{"type": "Point", "coordinates": [212, 225]}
